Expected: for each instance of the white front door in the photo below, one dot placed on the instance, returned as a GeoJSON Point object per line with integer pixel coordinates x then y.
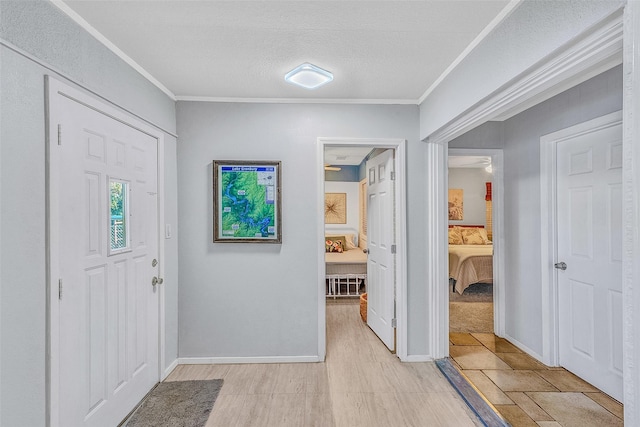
{"type": "Point", "coordinates": [103, 189]}
{"type": "Point", "coordinates": [589, 230]}
{"type": "Point", "coordinates": [380, 242]}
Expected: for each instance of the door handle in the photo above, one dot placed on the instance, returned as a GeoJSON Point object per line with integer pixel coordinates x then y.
{"type": "Point", "coordinates": [366, 251]}
{"type": "Point", "coordinates": [157, 281]}
{"type": "Point", "coordinates": [560, 265]}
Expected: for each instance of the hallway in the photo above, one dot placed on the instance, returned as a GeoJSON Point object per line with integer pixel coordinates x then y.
{"type": "Point", "coordinates": [360, 384]}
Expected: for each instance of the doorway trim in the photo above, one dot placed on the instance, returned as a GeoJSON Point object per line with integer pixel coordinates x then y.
{"type": "Point", "coordinates": [614, 37]}
{"type": "Point", "coordinates": [548, 228]}
{"type": "Point", "coordinates": [54, 89]}
{"type": "Point", "coordinates": [399, 145]}
{"type": "Point", "coordinates": [497, 164]}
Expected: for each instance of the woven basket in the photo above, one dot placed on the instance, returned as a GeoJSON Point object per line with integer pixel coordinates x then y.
{"type": "Point", "coordinates": [363, 307]}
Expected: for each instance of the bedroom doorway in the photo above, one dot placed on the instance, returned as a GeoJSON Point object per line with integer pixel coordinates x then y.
{"type": "Point", "coordinates": [348, 225]}
{"type": "Point", "coordinates": [476, 296]}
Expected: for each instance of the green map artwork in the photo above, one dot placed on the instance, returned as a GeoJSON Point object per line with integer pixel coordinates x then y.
{"type": "Point", "coordinates": [248, 208]}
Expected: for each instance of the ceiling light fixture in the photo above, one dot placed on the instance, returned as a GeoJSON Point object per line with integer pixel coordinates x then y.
{"type": "Point", "coordinates": [308, 76]}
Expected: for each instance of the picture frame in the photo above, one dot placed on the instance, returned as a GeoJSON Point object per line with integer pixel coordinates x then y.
{"type": "Point", "coordinates": [247, 205]}
{"type": "Point", "coordinates": [456, 205]}
{"type": "Point", "coordinates": [335, 208]}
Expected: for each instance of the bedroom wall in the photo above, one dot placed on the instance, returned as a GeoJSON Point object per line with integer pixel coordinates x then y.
{"type": "Point", "coordinates": [40, 29]}
{"type": "Point", "coordinates": [345, 174]}
{"type": "Point", "coordinates": [353, 205]}
{"type": "Point", "coordinates": [256, 300]}
{"type": "Point", "coordinates": [521, 135]}
{"type": "Point", "coordinates": [531, 32]}
{"type": "Point", "coordinates": [472, 182]}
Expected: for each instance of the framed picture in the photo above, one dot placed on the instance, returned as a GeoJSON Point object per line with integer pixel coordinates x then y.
{"type": "Point", "coordinates": [246, 201]}
{"type": "Point", "coordinates": [335, 208]}
{"type": "Point", "coordinates": [456, 208]}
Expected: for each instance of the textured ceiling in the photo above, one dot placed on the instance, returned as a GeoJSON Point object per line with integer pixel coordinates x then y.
{"type": "Point", "coordinates": [345, 155]}
{"type": "Point", "coordinates": [377, 50]}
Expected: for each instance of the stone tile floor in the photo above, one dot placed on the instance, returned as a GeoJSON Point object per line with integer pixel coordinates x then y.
{"type": "Point", "coordinates": [526, 392]}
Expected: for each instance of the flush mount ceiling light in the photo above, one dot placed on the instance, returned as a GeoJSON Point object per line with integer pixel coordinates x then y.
{"type": "Point", "coordinates": [308, 76]}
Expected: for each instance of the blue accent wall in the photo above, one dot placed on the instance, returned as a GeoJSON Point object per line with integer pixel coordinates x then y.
{"type": "Point", "coordinates": [345, 174]}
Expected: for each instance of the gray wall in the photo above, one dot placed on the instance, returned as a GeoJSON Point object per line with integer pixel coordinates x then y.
{"type": "Point", "coordinates": [531, 32]}
{"type": "Point", "coordinates": [487, 135]}
{"type": "Point", "coordinates": [521, 136]}
{"type": "Point", "coordinates": [472, 182]}
{"type": "Point", "coordinates": [247, 300]}
{"type": "Point", "coordinates": [345, 174]}
{"type": "Point", "coordinates": [40, 29]}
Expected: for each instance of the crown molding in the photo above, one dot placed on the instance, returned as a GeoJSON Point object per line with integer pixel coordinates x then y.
{"type": "Point", "coordinates": [596, 50]}
{"type": "Point", "coordinates": [298, 100]}
{"type": "Point", "coordinates": [112, 47]}
{"type": "Point", "coordinates": [495, 22]}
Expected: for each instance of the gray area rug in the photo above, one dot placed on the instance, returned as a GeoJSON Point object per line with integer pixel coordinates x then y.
{"type": "Point", "coordinates": [478, 292]}
{"type": "Point", "coordinates": [473, 310]}
{"type": "Point", "coordinates": [177, 404]}
{"type": "Point", "coordinates": [471, 317]}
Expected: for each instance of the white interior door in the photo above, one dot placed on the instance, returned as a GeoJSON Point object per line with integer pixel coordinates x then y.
{"type": "Point", "coordinates": [589, 230]}
{"type": "Point", "coordinates": [380, 242]}
{"type": "Point", "coordinates": [104, 186]}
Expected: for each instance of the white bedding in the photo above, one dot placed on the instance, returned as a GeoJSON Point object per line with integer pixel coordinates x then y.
{"type": "Point", "coordinates": [353, 261]}
{"type": "Point", "coordinates": [469, 264]}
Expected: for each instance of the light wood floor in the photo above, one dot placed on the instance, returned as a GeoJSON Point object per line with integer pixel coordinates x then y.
{"type": "Point", "coordinates": [359, 384]}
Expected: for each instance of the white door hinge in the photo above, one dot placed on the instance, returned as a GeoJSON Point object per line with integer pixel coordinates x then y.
{"type": "Point", "coordinates": [393, 249]}
{"type": "Point", "coordinates": [394, 323]}
{"type": "Point", "coordinates": [59, 134]}
{"type": "Point", "coordinates": [393, 176]}
{"type": "Point", "coordinates": [59, 288]}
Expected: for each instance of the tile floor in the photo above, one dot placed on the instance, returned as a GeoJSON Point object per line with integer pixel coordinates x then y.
{"type": "Point", "coordinates": [526, 392]}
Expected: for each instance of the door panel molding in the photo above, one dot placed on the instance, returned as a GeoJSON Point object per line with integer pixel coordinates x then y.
{"type": "Point", "coordinates": [57, 93]}
{"type": "Point", "coordinates": [381, 238]}
{"type": "Point", "coordinates": [548, 231]}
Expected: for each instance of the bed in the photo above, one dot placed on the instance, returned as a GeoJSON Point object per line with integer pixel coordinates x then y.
{"type": "Point", "coordinates": [470, 257]}
{"type": "Point", "coordinates": [346, 269]}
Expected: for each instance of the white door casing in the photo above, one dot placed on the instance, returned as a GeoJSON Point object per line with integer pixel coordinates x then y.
{"type": "Point", "coordinates": [380, 243]}
{"type": "Point", "coordinates": [497, 165]}
{"type": "Point", "coordinates": [589, 242]}
{"type": "Point", "coordinates": [104, 311]}
{"type": "Point", "coordinates": [399, 146]}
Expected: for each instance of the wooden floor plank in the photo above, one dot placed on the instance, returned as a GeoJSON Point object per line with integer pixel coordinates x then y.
{"type": "Point", "coordinates": [360, 384]}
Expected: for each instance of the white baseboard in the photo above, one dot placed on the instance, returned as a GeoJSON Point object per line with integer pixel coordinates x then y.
{"type": "Point", "coordinates": [414, 358]}
{"type": "Point", "coordinates": [169, 369]}
{"type": "Point", "coordinates": [524, 348]}
{"type": "Point", "coordinates": [239, 360]}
